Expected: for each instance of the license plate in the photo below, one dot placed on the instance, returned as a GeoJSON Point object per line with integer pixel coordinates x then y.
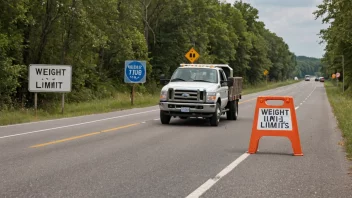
{"type": "Point", "coordinates": [185, 109]}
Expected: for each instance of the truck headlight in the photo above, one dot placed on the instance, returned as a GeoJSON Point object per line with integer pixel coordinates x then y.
{"type": "Point", "coordinates": [163, 95]}
{"type": "Point", "coordinates": [211, 96]}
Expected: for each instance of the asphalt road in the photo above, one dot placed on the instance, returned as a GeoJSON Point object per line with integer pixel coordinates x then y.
{"type": "Point", "coordinates": [130, 154]}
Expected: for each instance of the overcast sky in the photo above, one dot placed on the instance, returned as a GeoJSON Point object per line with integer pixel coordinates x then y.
{"type": "Point", "coordinates": [294, 22]}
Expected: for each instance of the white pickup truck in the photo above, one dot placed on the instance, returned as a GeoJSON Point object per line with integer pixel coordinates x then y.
{"type": "Point", "coordinates": [200, 90]}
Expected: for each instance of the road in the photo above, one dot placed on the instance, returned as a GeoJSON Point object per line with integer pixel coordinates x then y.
{"type": "Point", "coordinates": [130, 154]}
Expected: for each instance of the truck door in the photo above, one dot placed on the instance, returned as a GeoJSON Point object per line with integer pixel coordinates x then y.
{"type": "Point", "coordinates": [223, 89]}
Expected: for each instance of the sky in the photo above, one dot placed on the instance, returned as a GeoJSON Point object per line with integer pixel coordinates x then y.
{"type": "Point", "coordinates": [293, 20]}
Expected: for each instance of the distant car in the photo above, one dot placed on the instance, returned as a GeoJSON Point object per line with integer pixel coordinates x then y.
{"type": "Point", "coordinates": [317, 79]}
{"type": "Point", "coordinates": [296, 78]}
{"type": "Point", "coordinates": [307, 78]}
{"type": "Point", "coordinates": [321, 79]}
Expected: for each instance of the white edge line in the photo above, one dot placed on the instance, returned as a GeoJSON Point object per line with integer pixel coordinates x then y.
{"type": "Point", "coordinates": [209, 183]}
{"type": "Point", "coordinates": [78, 124]}
{"type": "Point", "coordinates": [74, 117]}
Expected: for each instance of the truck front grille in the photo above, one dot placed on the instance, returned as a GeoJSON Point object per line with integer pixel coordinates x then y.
{"type": "Point", "coordinates": [183, 95]}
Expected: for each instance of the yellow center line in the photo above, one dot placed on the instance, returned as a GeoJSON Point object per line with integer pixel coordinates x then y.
{"type": "Point", "coordinates": [121, 127]}
{"type": "Point", "coordinates": [104, 131]}
{"type": "Point", "coordinates": [82, 136]}
{"type": "Point", "coordinates": [247, 100]}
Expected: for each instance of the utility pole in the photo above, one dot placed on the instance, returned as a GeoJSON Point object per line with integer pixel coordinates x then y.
{"type": "Point", "coordinates": [343, 73]}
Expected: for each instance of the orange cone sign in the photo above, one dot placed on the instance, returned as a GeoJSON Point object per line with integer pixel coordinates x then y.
{"type": "Point", "coordinates": [277, 121]}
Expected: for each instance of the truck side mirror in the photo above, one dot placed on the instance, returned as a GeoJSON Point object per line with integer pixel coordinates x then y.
{"type": "Point", "coordinates": [230, 82]}
{"type": "Point", "coordinates": [223, 83]}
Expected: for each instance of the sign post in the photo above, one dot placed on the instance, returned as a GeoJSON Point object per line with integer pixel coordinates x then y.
{"type": "Point", "coordinates": [192, 55]}
{"type": "Point", "coordinates": [35, 104]}
{"type": "Point", "coordinates": [135, 72]}
{"type": "Point", "coordinates": [333, 76]}
{"type": "Point", "coordinates": [266, 72]}
{"type": "Point", "coordinates": [337, 78]}
{"type": "Point", "coordinates": [49, 78]}
{"type": "Point", "coordinates": [343, 73]}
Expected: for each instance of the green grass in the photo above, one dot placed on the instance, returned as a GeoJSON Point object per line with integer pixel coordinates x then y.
{"type": "Point", "coordinates": [264, 86]}
{"type": "Point", "coordinates": [342, 106]}
{"type": "Point", "coordinates": [119, 102]}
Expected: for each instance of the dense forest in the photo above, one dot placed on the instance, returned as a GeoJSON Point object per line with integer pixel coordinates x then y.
{"type": "Point", "coordinates": [338, 38]}
{"type": "Point", "coordinates": [308, 66]}
{"type": "Point", "coordinates": [97, 36]}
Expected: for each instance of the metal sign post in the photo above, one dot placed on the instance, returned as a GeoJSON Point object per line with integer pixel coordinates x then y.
{"type": "Point", "coordinates": [343, 73]}
{"type": "Point", "coordinates": [337, 78]}
{"type": "Point", "coordinates": [266, 72]}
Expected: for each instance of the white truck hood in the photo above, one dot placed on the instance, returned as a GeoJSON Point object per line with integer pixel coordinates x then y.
{"type": "Point", "coordinates": [191, 85]}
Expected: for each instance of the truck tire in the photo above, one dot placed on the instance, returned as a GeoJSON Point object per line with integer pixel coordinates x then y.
{"type": "Point", "coordinates": [165, 119]}
{"type": "Point", "coordinates": [230, 114]}
{"type": "Point", "coordinates": [236, 110]}
{"type": "Point", "coordinates": [215, 119]}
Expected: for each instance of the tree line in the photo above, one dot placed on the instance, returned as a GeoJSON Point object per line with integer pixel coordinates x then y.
{"type": "Point", "coordinates": [97, 36]}
{"type": "Point", "coordinates": [308, 66]}
{"type": "Point", "coordinates": [338, 38]}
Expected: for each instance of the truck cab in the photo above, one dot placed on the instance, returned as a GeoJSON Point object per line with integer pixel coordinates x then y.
{"type": "Point", "coordinates": [200, 90]}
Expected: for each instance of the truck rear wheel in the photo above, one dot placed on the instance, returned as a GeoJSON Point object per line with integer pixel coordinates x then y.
{"type": "Point", "coordinates": [215, 119]}
{"type": "Point", "coordinates": [165, 119]}
{"type": "Point", "coordinates": [236, 110]}
{"type": "Point", "coordinates": [232, 113]}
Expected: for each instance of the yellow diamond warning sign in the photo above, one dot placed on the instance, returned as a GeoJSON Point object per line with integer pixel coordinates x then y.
{"type": "Point", "coordinates": [192, 55]}
{"type": "Point", "coordinates": [266, 72]}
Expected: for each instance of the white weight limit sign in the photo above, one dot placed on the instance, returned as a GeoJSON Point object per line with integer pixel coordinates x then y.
{"type": "Point", "coordinates": [274, 119]}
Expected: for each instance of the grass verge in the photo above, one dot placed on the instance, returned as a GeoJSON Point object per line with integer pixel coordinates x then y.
{"type": "Point", "coordinates": [264, 86]}
{"type": "Point", "coordinates": [342, 107]}
{"type": "Point", "coordinates": [120, 102]}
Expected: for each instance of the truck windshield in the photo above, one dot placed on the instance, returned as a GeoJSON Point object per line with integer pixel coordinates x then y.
{"type": "Point", "coordinates": [195, 75]}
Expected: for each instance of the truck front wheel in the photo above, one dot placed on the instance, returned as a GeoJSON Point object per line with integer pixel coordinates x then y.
{"type": "Point", "coordinates": [165, 119]}
{"type": "Point", "coordinates": [215, 119]}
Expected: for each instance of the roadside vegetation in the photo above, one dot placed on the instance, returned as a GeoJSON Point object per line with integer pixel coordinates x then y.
{"type": "Point", "coordinates": [342, 106]}
{"type": "Point", "coordinates": [338, 59]}
{"type": "Point", "coordinates": [265, 86]}
{"type": "Point", "coordinates": [97, 36]}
